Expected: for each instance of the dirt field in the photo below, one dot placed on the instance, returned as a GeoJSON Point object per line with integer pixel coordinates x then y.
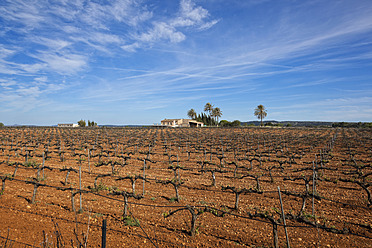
{"type": "Point", "coordinates": [324, 175]}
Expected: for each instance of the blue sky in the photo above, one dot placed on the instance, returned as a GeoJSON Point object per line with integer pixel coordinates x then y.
{"type": "Point", "coordinates": [138, 61]}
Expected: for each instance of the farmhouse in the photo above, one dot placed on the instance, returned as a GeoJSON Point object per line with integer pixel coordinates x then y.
{"type": "Point", "coordinates": [181, 123]}
{"type": "Point", "coordinates": [68, 125]}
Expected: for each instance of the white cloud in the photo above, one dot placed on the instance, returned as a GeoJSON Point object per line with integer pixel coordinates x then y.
{"type": "Point", "coordinates": [11, 68]}
{"type": "Point", "coordinates": [5, 69]}
{"type": "Point", "coordinates": [93, 15]}
{"type": "Point", "coordinates": [63, 63]}
{"type": "Point", "coordinates": [41, 79]}
{"type": "Point", "coordinates": [6, 84]}
{"type": "Point", "coordinates": [67, 25]}
{"type": "Point", "coordinates": [70, 29]}
{"type": "Point", "coordinates": [5, 52]}
{"type": "Point", "coordinates": [24, 96]}
{"type": "Point", "coordinates": [32, 91]}
{"type": "Point", "coordinates": [130, 12]}
{"type": "Point", "coordinates": [23, 12]}
{"type": "Point", "coordinates": [131, 48]}
{"type": "Point", "coordinates": [105, 38]}
{"type": "Point", "coordinates": [53, 44]}
{"type": "Point", "coordinates": [208, 25]}
{"type": "Point", "coordinates": [189, 15]}
{"type": "Point", "coordinates": [161, 31]}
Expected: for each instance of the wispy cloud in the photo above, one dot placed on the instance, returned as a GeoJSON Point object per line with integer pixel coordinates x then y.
{"type": "Point", "coordinates": [192, 15]}
{"type": "Point", "coordinates": [79, 26]}
{"type": "Point", "coordinates": [25, 96]}
{"type": "Point", "coordinates": [52, 44]}
{"type": "Point", "coordinates": [63, 63]}
{"type": "Point", "coordinates": [189, 15]}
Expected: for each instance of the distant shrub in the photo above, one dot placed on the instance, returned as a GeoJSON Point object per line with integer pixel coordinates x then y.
{"type": "Point", "coordinates": [236, 123]}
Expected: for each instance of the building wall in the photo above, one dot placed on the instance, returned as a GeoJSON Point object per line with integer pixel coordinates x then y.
{"type": "Point", "coordinates": [179, 123]}
{"type": "Point", "coordinates": [68, 125]}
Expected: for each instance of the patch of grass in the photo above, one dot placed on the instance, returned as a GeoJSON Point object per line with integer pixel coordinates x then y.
{"type": "Point", "coordinates": [307, 215]}
{"type": "Point", "coordinates": [32, 164]}
{"type": "Point", "coordinates": [41, 179]}
{"type": "Point", "coordinates": [130, 221]}
{"type": "Point", "coordinates": [112, 188]}
{"type": "Point", "coordinates": [100, 186]}
{"type": "Point", "coordinates": [8, 176]}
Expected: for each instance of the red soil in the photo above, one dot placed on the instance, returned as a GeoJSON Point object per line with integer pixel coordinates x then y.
{"type": "Point", "coordinates": [344, 156]}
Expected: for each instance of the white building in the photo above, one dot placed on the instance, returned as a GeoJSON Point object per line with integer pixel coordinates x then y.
{"type": "Point", "coordinates": [181, 123]}
{"type": "Point", "coordinates": [68, 125]}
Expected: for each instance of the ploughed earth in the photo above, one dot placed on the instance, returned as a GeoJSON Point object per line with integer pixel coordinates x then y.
{"type": "Point", "coordinates": [186, 187]}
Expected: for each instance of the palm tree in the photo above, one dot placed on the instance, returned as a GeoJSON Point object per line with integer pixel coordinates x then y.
{"type": "Point", "coordinates": [260, 112]}
{"type": "Point", "coordinates": [216, 112]}
{"type": "Point", "coordinates": [208, 108]}
{"type": "Point", "coordinates": [191, 113]}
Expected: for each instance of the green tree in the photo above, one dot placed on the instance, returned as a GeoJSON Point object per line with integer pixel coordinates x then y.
{"type": "Point", "coordinates": [82, 123]}
{"type": "Point", "coordinates": [260, 112]}
{"type": "Point", "coordinates": [1, 124]}
{"type": "Point", "coordinates": [91, 123]}
{"type": "Point", "coordinates": [216, 113]}
{"type": "Point", "coordinates": [225, 123]}
{"type": "Point", "coordinates": [236, 123]}
{"type": "Point", "coordinates": [191, 113]}
{"type": "Point", "coordinates": [208, 108]}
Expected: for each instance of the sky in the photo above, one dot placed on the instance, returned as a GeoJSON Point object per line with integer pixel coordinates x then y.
{"type": "Point", "coordinates": [129, 62]}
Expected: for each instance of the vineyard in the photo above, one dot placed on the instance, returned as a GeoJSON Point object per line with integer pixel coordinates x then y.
{"type": "Point", "coordinates": [205, 187]}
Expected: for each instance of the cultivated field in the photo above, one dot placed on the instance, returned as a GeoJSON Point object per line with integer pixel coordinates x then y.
{"type": "Point", "coordinates": [203, 187]}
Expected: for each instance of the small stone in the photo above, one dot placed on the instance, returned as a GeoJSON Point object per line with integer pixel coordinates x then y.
{"type": "Point", "coordinates": [299, 239]}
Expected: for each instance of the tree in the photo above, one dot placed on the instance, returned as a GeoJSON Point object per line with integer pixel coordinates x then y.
{"type": "Point", "coordinates": [191, 113]}
{"type": "Point", "coordinates": [209, 118]}
{"type": "Point", "coordinates": [217, 113]}
{"type": "Point", "coordinates": [236, 123]}
{"type": "Point", "coordinates": [1, 124]}
{"type": "Point", "coordinates": [208, 108]}
{"type": "Point", "coordinates": [92, 123]}
{"type": "Point", "coordinates": [82, 123]}
{"type": "Point", "coordinates": [260, 112]}
{"type": "Point", "coordinates": [225, 123]}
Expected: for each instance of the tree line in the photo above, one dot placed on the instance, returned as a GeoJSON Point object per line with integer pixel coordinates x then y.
{"type": "Point", "coordinates": [209, 118]}
{"type": "Point", "coordinates": [353, 124]}
{"type": "Point", "coordinates": [212, 114]}
{"type": "Point", "coordinates": [82, 123]}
